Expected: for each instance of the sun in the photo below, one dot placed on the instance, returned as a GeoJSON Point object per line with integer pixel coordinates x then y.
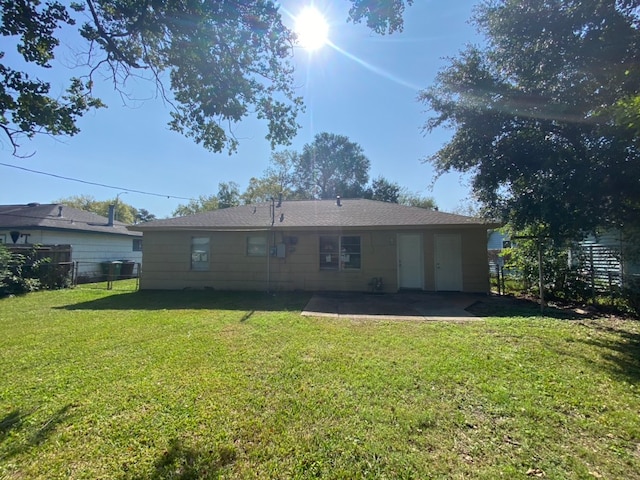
{"type": "Point", "coordinates": [311, 29]}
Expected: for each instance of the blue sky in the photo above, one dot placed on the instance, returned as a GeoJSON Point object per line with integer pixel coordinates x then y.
{"type": "Point", "coordinates": [366, 89]}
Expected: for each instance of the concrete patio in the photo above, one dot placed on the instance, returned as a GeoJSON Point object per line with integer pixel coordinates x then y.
{"type": "Point", "coordinates": [397, 306]}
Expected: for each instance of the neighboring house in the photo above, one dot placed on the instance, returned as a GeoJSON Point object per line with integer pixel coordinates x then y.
{"type": "Point", "coordinates": [605, 257]}
{"type": "Point", "coordinates": [341, 245]}
{"type": "Point", "coordinates": [93, 238]}
{"type": "Point", "coordinates": [496, 243]}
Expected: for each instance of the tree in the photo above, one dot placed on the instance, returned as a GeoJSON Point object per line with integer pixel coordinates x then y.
{"type": "Point", "coordinates": [222, 61]}
{"type": "Point", "coordinates": [228, 194]}
{"type": "Point", "coordinates": [143, 215]}
{"type": "Point", "coordinates": [380, 15]}
{"type": "Point", "coordinates": [203, 203]}
{"type": "Point", "coordinates": [278, 178]}
{"type": "Point", "coordinates": [123, 212]}
{"type": "Point", "coordinates": [415, 200]}
{"type": "Point", "coordinates": [533, 116]}
{"type": "Point", "coordinates": [383, 190]}
{"type": "Point", "coordinates": [332, 165]}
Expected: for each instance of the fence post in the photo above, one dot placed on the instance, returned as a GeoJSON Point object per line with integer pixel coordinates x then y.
{"type": "Point", "coordinates": [592, 272]}
{"type": "Point", "coordinates": [611, 294]}
{"type": "Point", "coordinates": [110, 276]}
{"type": "Point", "coordinates": [541, 278]}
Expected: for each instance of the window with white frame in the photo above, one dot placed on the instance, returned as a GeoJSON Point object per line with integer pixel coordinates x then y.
{"type": "Point", "coordinates": [137, 244]}
{"type": "Point", "coordinates": [200, 253]}
{"type": "Point", "coordinates": [256, 246]}
{"type": "Point", "coordinates": [340, 252]}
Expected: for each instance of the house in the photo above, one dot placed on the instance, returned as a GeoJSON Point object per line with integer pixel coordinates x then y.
{"type": "Point", "coordinates": [324, 245]}
{"type": "Point", "coordinates": [93, 239]}
{"type": "Point", "coordinates": [606, 258]}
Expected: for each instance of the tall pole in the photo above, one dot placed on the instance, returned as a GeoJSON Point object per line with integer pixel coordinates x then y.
{"type": "Point", "coordinates": [540, 276]}
{"type": "Point", "coordinates": [115, 214]}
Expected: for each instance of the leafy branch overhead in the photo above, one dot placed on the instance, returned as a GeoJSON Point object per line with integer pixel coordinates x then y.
{"type": "Point", "coordinates": [214, 62]}
{"type": "Point", "coordinates": [544, 114]}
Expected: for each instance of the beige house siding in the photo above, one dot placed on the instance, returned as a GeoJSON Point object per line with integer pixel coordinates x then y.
{"type": "Point", "coordinates": [475, 261]}
{"type": "Point", "coordinates": [167, 265]}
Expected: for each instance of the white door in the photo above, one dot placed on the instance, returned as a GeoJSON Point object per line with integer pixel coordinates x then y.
{"type": "Point", "coordinates": [410, 260]}
{"type": "Point", "coordinates": [448, 260]}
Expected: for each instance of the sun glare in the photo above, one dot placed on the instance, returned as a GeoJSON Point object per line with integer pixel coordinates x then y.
{"type": "Point", "coordinates": [311, 29]}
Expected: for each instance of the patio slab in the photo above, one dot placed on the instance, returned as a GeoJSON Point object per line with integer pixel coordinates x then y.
{"type": "Point", "coordinates": [399, 306]}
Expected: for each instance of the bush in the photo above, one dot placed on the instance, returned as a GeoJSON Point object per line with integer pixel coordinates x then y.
{"type": "Point", "coordinates": [20, 273]}
{"type": "Point", "coordinates": [631, 293]}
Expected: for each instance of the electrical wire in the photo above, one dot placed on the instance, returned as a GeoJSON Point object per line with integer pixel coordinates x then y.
{"type": "Point", "coordinates": [131, 190]}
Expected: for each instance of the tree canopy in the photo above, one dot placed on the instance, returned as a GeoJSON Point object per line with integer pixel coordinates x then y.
{"type": "Point", "coordinates": [332, 165]}
{"type": "Point", "coordinates": [214, 62]}
{"type": "Point", "coordinates": [383, 190]}
{"type": "Point", "coordinates": [123, 212]}
{"type": "Point", "coordinates": [278, 179]}
{"type": "Point", "coordinates": [534, 113]}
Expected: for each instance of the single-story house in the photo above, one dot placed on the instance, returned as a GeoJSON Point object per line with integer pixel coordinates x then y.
{"type": "Point", "coordinates": [93, 239]}
{"type": "Point", "coordinates": [323, 245]}
{"type": "Point", "coordinates": [606, 257]}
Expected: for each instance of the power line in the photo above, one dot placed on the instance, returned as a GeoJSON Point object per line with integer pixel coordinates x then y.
{"type": "Point", "coordinates": [93, 183]}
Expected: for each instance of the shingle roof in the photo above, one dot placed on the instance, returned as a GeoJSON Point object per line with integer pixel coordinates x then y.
{"type": "Point", "coordinates": [303, 214]}
{"type": "Point", "coordinates": [58, 217]}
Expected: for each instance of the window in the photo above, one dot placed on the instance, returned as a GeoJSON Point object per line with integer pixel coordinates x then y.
{"type": "Point", "coordinates": [257, 246]}
{"type": "Point", "coordinates": [137, 244]}
{"type": "Point", "coordinates": [340, 252]}
{"type": "Point", "coordinates": [200, 253]}
{"type": "Point", "coordinates": [3, 238]}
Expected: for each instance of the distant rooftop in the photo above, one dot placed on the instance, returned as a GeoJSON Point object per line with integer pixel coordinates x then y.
{"type": "Point", "coordinates": [54, 216]}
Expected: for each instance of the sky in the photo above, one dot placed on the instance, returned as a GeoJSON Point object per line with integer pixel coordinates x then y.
{"type": "Point", "coordinates": [361, 85]}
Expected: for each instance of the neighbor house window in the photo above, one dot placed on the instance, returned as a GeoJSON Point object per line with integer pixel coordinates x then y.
{"type": "Point", "coordinates": [137, 245]}
{"type": "Point", "coordinates": [200, 253]}
{"type": "Point", "coordinates": [257, 246]}
{"type": "Point", "coordinates": [3, 238]}
{"type": "Point", "coordinates": [340, 252]}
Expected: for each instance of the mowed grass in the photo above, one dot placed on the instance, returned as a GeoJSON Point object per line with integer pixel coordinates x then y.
{"type": "Point", "coordinates": [137, 385]}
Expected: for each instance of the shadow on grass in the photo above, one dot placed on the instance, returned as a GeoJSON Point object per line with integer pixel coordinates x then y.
{"type": "Point", "coordinates": [14, 422]}
{"type": "Point", "coordinates": [619, 347]}
{"type": "Point", "coordinates": [11, 421]}
{"type": "Point", "coordinates": [40, 435]}
{"type": "Point", "coordinates": [181, 462]}
{"type": "Point", "coordinates": [514, 307]}
{"type": "Point", "coordinates": [196, 299]}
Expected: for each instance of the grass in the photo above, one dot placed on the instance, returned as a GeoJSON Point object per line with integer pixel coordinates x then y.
{"type": "Point", "coordinates": [180, 385]}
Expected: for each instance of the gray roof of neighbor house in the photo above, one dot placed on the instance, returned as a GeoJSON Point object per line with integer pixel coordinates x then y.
{"type": "Point", "coordinates": [313, 214]}
{"type": "Point", "coordinates": [36, 216]}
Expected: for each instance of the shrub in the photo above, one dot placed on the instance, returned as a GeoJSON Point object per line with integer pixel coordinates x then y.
{"type": "Point", "coordinates": [23, 273]}
{"type": "Point", "coordinates": [631, 293]}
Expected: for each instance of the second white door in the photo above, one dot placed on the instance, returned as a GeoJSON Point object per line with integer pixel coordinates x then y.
{"type": "Point", "coordinates": [448, 262]}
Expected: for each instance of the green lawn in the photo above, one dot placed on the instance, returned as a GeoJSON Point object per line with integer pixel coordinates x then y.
{"type": "Point", "coordinates": [137, 385]}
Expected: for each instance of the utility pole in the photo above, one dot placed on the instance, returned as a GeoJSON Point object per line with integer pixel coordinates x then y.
{"type": "Point", "coordinates": [115, 215]}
